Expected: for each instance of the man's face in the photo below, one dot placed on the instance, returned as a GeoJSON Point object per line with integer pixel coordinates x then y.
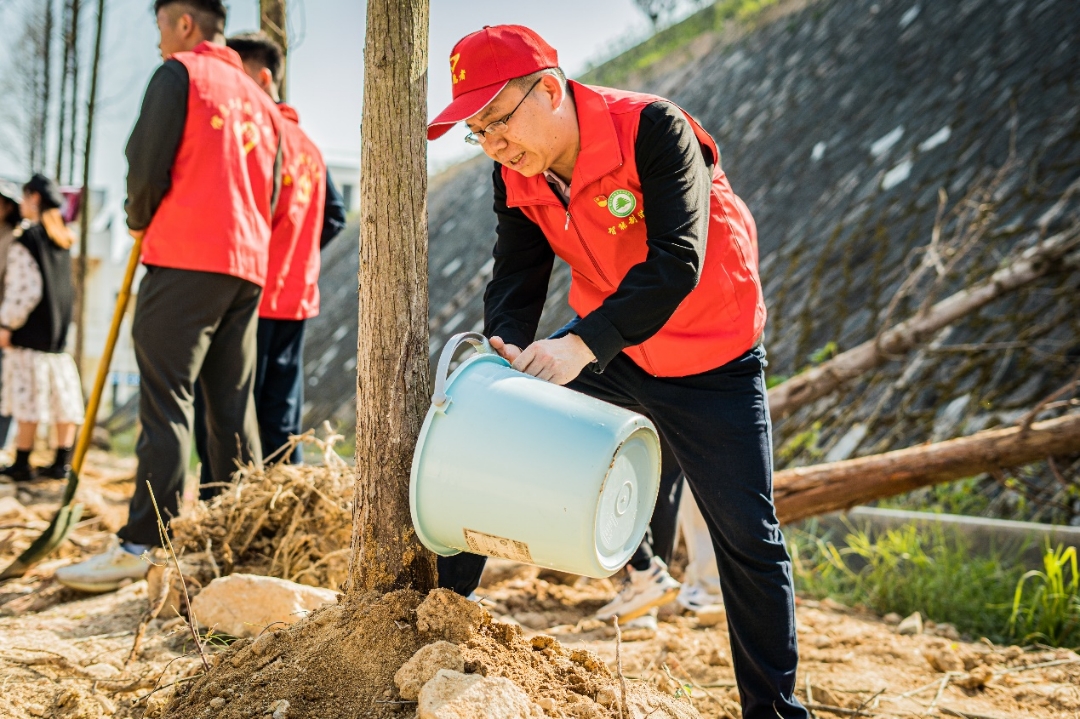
{"type": "Point", "coordinates": [177, 29]}
{"type": "Point", "coordinates": [531, 141]}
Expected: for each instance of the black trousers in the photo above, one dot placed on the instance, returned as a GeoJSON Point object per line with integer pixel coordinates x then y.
{"type": "Point", "coordinates": [717, 427]}
{"type": "Point", "coordinates": [188, 324]}
{"type": "Point", "coordinates": [279, 394]}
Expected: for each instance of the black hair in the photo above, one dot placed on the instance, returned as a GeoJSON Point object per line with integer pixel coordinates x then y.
{"type": "Point", "coordinates": [525, 81]}
{"type": "Point", "coordinates": [259, 48]}
{"type": "Point", "coordinates": [209, 15]}
{"type": "Point", "coordinates": [12, 217]}
{"type": "Point", "coordinates": [51, 196]}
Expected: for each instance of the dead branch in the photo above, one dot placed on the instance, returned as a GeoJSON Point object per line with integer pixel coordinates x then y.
{"type": "Point", "coordinates": [807, 491]}
{"type": "Point", "coordinates": [1031, 264]}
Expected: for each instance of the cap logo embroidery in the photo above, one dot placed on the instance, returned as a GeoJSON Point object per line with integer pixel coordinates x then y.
{"type": "Point", "coordinates": [621, 203]}
{"type": "Point", "coordinates": [455, 76]}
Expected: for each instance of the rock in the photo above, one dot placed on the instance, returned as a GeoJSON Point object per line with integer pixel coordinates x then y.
{"type": "Point", "coordinates": [101, 671]}
{"type": "Point", "coordinates": [607, 697]}
{"type": "Point", "coordinates": [546, 703]}
{"type": "Point", "coordinates": [11, 509]}
{"type": "Point", "coordinates": [280, 709]}
{"type": "Point", "coordinates": [711, 615]}
{"type": "Point", "coordinates": [244, 604]}
{"type": "Point", "coordinates": [977, 678]}
{"type": "Point", "coordinates": [7, 489]}
{"type": "Point", "coordinates": [910, 625]}
{"type": "Point", "coordinates": [447, 615]}
{"type": "Point", "coordinates": [217, 703]}
{"type": "Point", "coordinates": [944, 660]}
{"type": "Point", "coordinates": [453, 695]}
{"type": "Point", "coordinates": [533, 620]}
{"type": "Point", "coordinates": [948, 631]}
{"type": "Point", "coordinates": [892, 618]}
{"type": "Point", "coordinates": [425, 664]}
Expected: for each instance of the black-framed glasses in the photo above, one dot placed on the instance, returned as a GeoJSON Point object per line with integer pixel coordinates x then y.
{"type": "Point", "coordinates": [499, 126]}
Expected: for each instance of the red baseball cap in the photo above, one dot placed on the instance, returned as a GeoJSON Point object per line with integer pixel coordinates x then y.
{"type": "Point", "coordinates": [481, 65]}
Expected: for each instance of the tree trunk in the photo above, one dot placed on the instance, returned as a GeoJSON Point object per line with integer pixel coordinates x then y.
{"type": "Point", "coordinates": [392, 361]}
{"type": "Point", "coordinates": [820, 381]}
{"type": "Point", "coordinates": [274, 22]}
{"type": "Point", "coordinates": [806, 491]}
{"type": "Point", "coordinates": [73, 105]}
{"type": "Point", "coordinates": [65, 74]}
{"type": "Point", "coordinates": [84, 205]}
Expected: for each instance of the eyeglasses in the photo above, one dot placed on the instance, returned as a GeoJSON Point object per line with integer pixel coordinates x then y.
{"type": "Point", "coordinates": [499, 126]}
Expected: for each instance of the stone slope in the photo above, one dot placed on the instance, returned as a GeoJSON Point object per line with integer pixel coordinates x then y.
{"type": "Point", "coordinates": [839, 122]}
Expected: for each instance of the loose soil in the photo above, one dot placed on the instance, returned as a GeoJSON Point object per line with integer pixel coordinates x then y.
{"type": "Point", "coordinates": [65, 655]}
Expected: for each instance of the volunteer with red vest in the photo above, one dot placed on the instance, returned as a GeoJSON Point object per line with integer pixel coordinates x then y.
{"type": "Point", "coordinates": [628, 189]}
{"type": "Point", "coordinates": [202, 182]}
{"type": "Point", "coordinates": [310, 213]}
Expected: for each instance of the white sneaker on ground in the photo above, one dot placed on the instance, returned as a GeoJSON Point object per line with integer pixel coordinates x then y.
{"type": "Point", "coordinates": [646, 621]}
{"type": "Point", "coordinates": [696, 597]}
{"type": "Point", "coordinates": [103, 572]}
{"type": "Point", "coordinates": [643, 590]}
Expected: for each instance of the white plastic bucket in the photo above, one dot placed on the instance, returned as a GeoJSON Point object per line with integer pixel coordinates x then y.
{"type": "Point", "coordinates": [511, 466]}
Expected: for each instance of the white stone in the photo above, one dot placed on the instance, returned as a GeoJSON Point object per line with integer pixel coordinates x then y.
{"type": "Point", "coordinates": [453, 695]}
{"type": "Point", "coordinates": [425, 664]}
{"type": "Point", "coordinates": [885, 142]}
{"type": "Point", "coordinates": [909, 16]}
{"type": "Point", "coordinates": [848, 443]}
{"type": "Point", "coordinates": [818, 152]}
{"type": "Point", "coordinates": [911, 624]}
{"type": "Point", "coordinates": [244, 604]}
{"type": "Point", "coordinates": [937, 139]}
{"type": "Point", "coordinates": [897, 175]}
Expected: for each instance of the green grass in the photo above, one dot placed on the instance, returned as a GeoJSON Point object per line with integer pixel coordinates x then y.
{"type": "Point", "coordinates": [934, 572]}
{"type": "Point", "coordinates": [672, 39]}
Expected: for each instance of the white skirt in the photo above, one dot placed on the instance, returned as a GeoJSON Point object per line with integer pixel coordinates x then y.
{"type": "Point", "coordinates": [40, 387]}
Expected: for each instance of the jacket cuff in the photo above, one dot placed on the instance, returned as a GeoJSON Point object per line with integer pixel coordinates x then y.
{"type": "Point", "coordinates": [600, 336]}
{"type": "Point", "coordinates": [511, 335]}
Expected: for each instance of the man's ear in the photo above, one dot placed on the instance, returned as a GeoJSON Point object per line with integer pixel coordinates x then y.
{"type": "Point", "coordinates": [266, 79]}
{"type": "Point", "coordinates": [554, 89]}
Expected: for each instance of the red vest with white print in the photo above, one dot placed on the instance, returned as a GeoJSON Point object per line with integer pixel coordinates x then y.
{"type": "Point", "coordinates": [216, 215]}
{"type": "Point", "coordinates": [602, 233]}
{"type": "Point", "coordinates": [292, 278]}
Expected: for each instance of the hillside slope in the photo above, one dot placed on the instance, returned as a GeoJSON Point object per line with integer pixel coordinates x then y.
{"type": "Point", "coordinates": [840, 121]}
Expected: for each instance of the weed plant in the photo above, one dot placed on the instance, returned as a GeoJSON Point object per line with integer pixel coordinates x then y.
{"type": "Point", "coordinates": [935, 572]}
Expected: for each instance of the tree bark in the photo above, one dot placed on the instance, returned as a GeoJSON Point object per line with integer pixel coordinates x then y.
{"type": "Point", "coordinates": [806, 491]}
{"type": "Point", "coordinates": [274, 22]}
{"type": "Point", "coordinates": [392, 361]}
{"type": "Point", "coordinates": [824, 379]}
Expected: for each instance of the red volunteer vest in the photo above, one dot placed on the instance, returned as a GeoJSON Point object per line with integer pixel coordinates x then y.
{"type": "Point", "coordinates": [292, 278]}
{"type": "Point", "coordinates": [602, 234]}
{"type": "Point", "coordinates": [216, 215]}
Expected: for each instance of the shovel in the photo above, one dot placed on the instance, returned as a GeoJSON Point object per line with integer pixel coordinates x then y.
{"type": "Point", "coordinates": [70, 512]}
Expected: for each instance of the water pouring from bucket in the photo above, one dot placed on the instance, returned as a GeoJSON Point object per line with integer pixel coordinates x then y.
{"type": "Point", "coordinates": [511, 466]}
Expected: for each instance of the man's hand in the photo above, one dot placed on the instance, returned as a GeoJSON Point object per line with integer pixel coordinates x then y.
{"type": "Point", "coordinates": [507, 351]}
{"type": "Point", "coordinates": [137, 234]}
{"type": "Point", "coordinates": [558, 361]}
{"type": "Point", "coordinates": [5, 338]}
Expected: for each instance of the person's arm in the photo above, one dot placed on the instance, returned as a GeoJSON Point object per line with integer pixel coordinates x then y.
{"type": "Point", "coordinates": [153, 144]}
{"type": "Point", "coordinates": [279, 163]}
{"type": "Point", "coordinates": [23, 288]}
{"type": "Point", "coordinates": [676, 178]}
{"type": "Point", "coordinates": [333, 213]}
{"type": "Point", "coordinates": [515, 296]}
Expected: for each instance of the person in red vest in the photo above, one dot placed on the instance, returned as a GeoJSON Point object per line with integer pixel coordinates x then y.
{"type": "Point", "coordinates": [310, 213]}
{"type": "Point", "coordinates": [627, 188]}
{"type": "Point", "coordinates": [203, 176]}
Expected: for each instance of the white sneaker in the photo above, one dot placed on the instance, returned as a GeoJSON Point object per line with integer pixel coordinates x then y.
{"type": "Point", "coordinates": [643, 590]}
{"type": "Point", "coordinates": [103, 572]}
{"type": "Point", "coordinates": [696, 597]}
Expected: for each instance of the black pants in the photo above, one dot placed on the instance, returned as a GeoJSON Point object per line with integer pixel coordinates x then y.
{"type": "Point", "coordinates": [5, 420]}
{"type": "Point", "coordinates": [717, 427]}
{"type": "Point", "coordinates": [189, 323]}
{"type": "Point", "coordinates": [279, 394]}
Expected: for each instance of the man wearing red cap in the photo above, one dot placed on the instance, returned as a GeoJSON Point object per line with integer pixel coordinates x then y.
{"type": "Point", "coordinates": [628, 190]}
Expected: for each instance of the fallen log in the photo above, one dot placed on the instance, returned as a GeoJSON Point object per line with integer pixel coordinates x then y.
{"type": "Point", "coordinates": [820, 381]}
{"type": "Point", "coordinates": [807, 491]}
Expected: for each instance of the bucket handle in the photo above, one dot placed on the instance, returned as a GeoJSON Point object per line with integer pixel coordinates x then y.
{"type": "Point", "coordinates": [480, 344]}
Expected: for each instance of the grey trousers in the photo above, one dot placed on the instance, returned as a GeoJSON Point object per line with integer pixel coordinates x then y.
{"type": "Point", "coordinates": [190, 325]}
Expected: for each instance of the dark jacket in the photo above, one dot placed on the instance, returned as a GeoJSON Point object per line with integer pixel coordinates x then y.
{"type": "Point", "coordinates": [47, 326]}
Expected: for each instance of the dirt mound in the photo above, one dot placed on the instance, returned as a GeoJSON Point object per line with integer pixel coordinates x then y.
{"type": "Point", "coordinates": [289, 522]}
{"type": "Point", "coordinates": [341, 662]}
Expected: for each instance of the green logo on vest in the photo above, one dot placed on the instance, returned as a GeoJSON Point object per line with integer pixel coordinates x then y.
{"type": "Point", "coordinates": [621, 203]}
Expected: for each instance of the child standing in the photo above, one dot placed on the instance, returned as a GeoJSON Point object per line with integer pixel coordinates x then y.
{"type": "Point", "coordinates": [40, 382]}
